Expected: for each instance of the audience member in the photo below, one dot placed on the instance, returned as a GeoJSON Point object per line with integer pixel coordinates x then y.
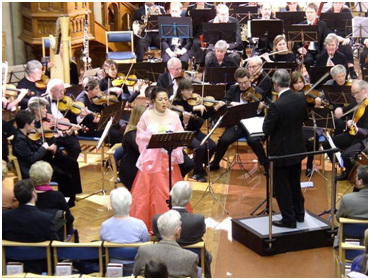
{"type": "Point", "coordinates": [155, 268]}
{"type": "Point", "coordinates": [8, 199]}
{"type": "Point", "coordinates": [121, 228]}
{"type": "Point", "coordinates": [180, 262]}
{"type": "Point", "coordinates": [48, 200]}
{"type": "Point", "coordinates": [193, 226]}
{"type": "Point", "coordinates": [360, 263]}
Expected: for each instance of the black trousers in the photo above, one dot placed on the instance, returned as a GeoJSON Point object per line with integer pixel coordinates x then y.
{"type": "Point", "coordinates": [232, 134]}
{"type": "Point", "coordinates": [287, 189]}
{"type": "Point", "coordinates": [200, 155]}
{"type": "Point", "coordinates": [142, 44]}
{"type": "Point", "coordinates": [187, 166]}
{"type": "Point", "coordinates": [347, 51]}
{"type": "Point", "coordinates": [71, 144]}
{"type": "Point", "coordinates": [197, 52]}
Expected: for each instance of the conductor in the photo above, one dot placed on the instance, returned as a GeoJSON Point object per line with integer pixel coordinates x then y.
{"type": "Point", "coordinates": [283, 124]}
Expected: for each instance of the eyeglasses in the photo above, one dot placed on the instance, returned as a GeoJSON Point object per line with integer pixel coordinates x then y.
{"type": "Point", "coordinates": [59, 90]}
{"type": "Point", "coordinates": [244, 83]}
{"type": "Point", "coordinates": [252, 66]}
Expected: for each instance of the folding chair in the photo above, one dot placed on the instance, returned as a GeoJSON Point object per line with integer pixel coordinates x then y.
{"type": "Point", "coordinates": [120, 37]}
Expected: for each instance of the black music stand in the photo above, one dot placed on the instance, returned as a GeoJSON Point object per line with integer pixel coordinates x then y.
{"type": "Point", "coordinates": [273, 66]}
{"type": "Point", "coordinates": [199, 16]}
{"type": "Point", "coordinates": [245, 13]}
{"type": "Point", "coordinates": [266, 28]}
{"type": "Point", "coordinates": [152, 25]}
{"type": "Point", "coordinates": [144, 70]}
{"type": "Point", "coordinates": [214, 32]}
{"type": "Point", "coordinates": [115, 111]}
{"type": "Point", "coordinates": [317, 72]}
{"type": "Point", "coordinates": [74, 90]}
{"type": "Point", "coordinates": [290, 18]}
{"type": "Point", "coordinates": [338, 94]}
{"type": "Point", "coordinates": [302, 33]}
{"type": "Point", "coordinates": [338, 22]}
{"type": "Point", "coordinates": [224, 75]}
{"type": "Point", "coordinates": [170, 141]}
{"type": "Point", "coordinates": [319, 118]}
{"type": "Point", "coordinates": [217, 91]}
{"type": "Point", "coordinates": [171, 27]}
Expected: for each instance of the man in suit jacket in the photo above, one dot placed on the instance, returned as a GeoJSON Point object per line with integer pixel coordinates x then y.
{"type": "Point", "coordinates": [193, 226]}
{"type": "Point", "coordinates": [355, 205]}
{"type": "Point", "coordinates": [27, 223]}
{"type": "Point", "coordinates": [331, 45]}
{"type": "Point", "coordinates": [150, 38]}
{"type": "Point", "coordinates": [180, 262]}
{"type": "Point", "coordinates": [354, 140]}
{"type": "Point", "coordinates": [169, 80]}
{"type": "Point", "coordinates": [314, 48]}
{"type": "Point", "coordinates": [283, 124]}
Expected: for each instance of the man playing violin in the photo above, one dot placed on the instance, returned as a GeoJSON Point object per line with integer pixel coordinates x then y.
{"type": "Point", "coordinates": [33, 74]}
{"type": "Point", "coordinates": [219, 57]}
{"type": "Point", "coordinates": [259, 78]}
{"type": "Point", "coordinates": [170, 79]}
{"type": "Point", "coordinates": [55, 93]}
{"type": "Point", "coordinates": [232, 134]}
{"type": "Point", "coordinates": [354, 139]}
{"type": "Point", "coordinates": [88, 97]}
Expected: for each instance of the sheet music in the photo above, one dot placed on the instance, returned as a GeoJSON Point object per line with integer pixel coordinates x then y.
{"type": "Point", "coordinates": [338, 155]}
{"type": "Point", "coordinates": [254, 125]}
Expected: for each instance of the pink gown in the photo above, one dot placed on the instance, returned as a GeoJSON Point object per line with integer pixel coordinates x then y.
{"type": "Point", "coordinates": [150, 189]}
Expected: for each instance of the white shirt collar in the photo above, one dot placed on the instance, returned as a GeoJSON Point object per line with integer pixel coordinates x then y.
{"type": "Point", "coordinates": [284, 90]}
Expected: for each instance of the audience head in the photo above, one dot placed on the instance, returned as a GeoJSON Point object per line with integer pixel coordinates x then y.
{"type": "Point", "coordinates": [110, 67]}
{"type": "Point", "coordinates": [169, 225]}
{"type": "Point", "coordinates": [174, 66]}
{"type": "Point", "coordinates": [339, 73]}
{"type": "Point", "coordinates": [181, 193]}
{"type": "Point", "coordinates": [281, 79]}
{"type": "Point", "coordinates": [135, 116]}
{"type": "Point", "coordinates": [24, 192]}
{"type": "Point", "coordinates": [361, 178]}
{"type": "Point", "coordinates": [311, 12]}
{"type": "Point", "coordinates": [175, 9]}
{"type": "Point", "coordinates": [331, 44]}
{"type": "Point", "coordinates": [222, 14]}
{"type": "Point", "coordinates": [185, 90]}
{"type": "Point", "coordinates": [280, 43]}
{"type": "Point", "coordinates": [40, 173]}
{"type": "Point", "coordinates": [220, 49]}
{"type": "Point", "coordinates": [33, 70]}
{"type": "Point", "coordinates": [266, 10]}
{"type": "Point", "coordinates": [120, 200]}
{"type": "Point", "coordinates": [359, 90]}
{"type": "Point", "coordinates": [254, 64]}
{"type": "Point", "coordinates": [37, 105]}
{"type": "Point", "coordinates": [25, 120]}
{"type": "Point", "coordinates": [155, 268]}
{"type": "Point", "coordinates": [297, 82]}
{"type": "Point", "coordinates": [55, 89]}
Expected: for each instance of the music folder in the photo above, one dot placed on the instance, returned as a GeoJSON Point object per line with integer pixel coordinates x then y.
{"type": "Point", "coordinates": [254, 126]}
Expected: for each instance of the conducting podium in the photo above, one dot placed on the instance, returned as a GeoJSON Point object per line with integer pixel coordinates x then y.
{"type": "Point", "coordinates": [170, 141]}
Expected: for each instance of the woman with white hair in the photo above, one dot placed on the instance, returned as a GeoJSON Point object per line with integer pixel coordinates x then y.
{"type": "Point", "coordinates": [339, 76]}
{"type": "Point", "coordinates": [332, 56]}
{"type": "Point", "coordinates": [121, 228]}
{"type": "Point", "coordinates": [219, 57]}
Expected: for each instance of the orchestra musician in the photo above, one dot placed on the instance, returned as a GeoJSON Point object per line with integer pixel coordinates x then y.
{"type": "Point", "coordinates": [283, 124]}
{"type": "Point", "coordinates": [280, 44]}
{"type": "Point", "coordinates": [292, 7]}
{"type": "Point", "coordinates": [170, 79]}
{"type": "Point", "coordinates": [176, 47]}
{"type": "Point", "coordinates": [232, 134]}
{"type": "Point", "coordinates": [354, 139]}
{"type": "Point", "coordinates": [363, 55]}
{"type": "Point", "coordinates": [54, 94]}
{"type": "Point", "coordinates": [344, 40]}
{"type": "Point", "coordinates": [331, 56]}
{"type": "Point", "coordinates": [150, 38]}
{"type": "Point", "coordinates": [264, 44]}
{"type": "Point", "coordinates": [219, 57]}
{"type": "Point", "coordinates": [192, 118]}
{"type": "Point", "coordinates": [90, 97]}
{"type": "Point", "coordinates": [222, 16]}
{"type": "Point", "coordinates": [259, 77]}
{"type": "Point", "coordinates": [313, 48]}
{"type": "Point", "coordinates": [33, 74]}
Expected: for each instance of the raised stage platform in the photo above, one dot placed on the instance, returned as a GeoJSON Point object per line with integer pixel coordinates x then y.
{"type": "Point", "coordinates": [314, 232]}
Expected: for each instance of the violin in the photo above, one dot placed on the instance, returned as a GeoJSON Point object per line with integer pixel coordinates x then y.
{"type": "Point", "coordinates": [61, 124]}
{"type": "Point", "coordinates": [130, 80]}
{"type": "Point", "coordinates": [250, 95]}
{"type": "Point", "coordinates": [180, 109]}
{"type": "Point", "coordinates": [42, 84]}
{"type": "Point", "coordinates": [66, 103]}
{"type": "Point", "coordinates": [196, 99]}
{"type": "Point", "coordinates": [101, 99]}
{"type": "Point", "coordinates": [46, 132]}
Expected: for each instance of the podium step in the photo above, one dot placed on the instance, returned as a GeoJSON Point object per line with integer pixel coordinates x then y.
{"type": "Point", "coordinates": [314, 232]}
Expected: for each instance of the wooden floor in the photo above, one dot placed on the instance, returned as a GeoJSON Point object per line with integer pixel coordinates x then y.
{"type": "Point", "coordinates": [239, 194]}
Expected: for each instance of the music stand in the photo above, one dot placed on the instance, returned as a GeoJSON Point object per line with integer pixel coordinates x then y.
{"type": "Point", "coordinates": [266, 28]}
{"type": "Point", "coordinates": [213, 32]}
{"type": "Point", "coordinates": [302, 33]}
{"type": "Point", "coordinates": [338, 94]}
{"type": "Point", "coordinates": [217, 91]}
{"type": "Point", "coordinates": [245, 13]}
{"type": "Point", "coordinates": [152, 25]}
{"type": "Point", "coordinates": [338, 22]}
{"type": "Point", "coordinates": [317, 72]}
{"type": "Point", "coordinates": [170, 27]}
{"type": "Point", "coordinates": [199, 16]}
{"type": "Point", "coordinates": [144, 70]}
{"type": "Point", "coordinates": [170, 141]}
{"type": "Point", "coordinates": [224, 75]}
{"type": "Point", "coordinates": [319, 118]}
{"type": "Point", "coordinates": [271, 67]}
{"type": "Point", "coordinates": [74, 90]}
{"type": "Point", "coordinates": [290, 18]}
{"type": "Point", "coordinates": [360, 27]}
{"type": "Point", "coordinates": [115, 111]}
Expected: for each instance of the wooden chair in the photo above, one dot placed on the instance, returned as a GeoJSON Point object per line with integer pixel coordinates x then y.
{"type": "Point", "coordinates": [78, 252]}
{"type": "Point", "coordinates": [199, 249]}
{"type": "Point", "coordinates": [349, 229]}
{"type": "Point", "coordinates": [110, 153]}
{"type": "Point", "coordinates": [120, 37]}
{"type": "Point", "coordinates": [24, 251]}
{"type": "Point", "coordinates": [88, 146]}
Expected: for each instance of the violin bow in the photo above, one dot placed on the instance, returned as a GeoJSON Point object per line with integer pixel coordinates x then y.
{"type": "Point", "coordinates": [41, 126]}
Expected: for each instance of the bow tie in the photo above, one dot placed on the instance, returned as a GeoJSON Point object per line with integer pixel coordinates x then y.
{"type": "Point", "coordinates": [54, 101]}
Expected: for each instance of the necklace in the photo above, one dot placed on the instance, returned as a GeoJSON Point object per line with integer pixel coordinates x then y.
{"type": "Point", "coordinates": [159, 113]}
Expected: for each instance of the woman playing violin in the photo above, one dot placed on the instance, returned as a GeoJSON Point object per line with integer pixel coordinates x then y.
{"type": "Point", "coordinates": [280, 45]}
{"type": "Point", "coordinates": [192, 118]}
{"type": "Point", "coordinates": [297, 84]}
{"type": "Point", "coordinates": [91, 92]}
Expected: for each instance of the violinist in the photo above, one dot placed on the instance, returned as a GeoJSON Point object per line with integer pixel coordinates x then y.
{"type": "Point", "coordinates": [354, 139]}
{"type": "Point", "coordinates": [110, 73]}
{"type": "Point", "coordinates": [292, 7]}
{"type": "Point", "coordinates": [232, 134]}
{"type": "Point", "coordinates": [192, 118]}
{"type": "Point", "coordinates": [176, 47]}
{"type": "Point", "coordinates": [332, 56]}
{"type": "Point", "coordinates": [30, 81]}
{"type": "Point", "coordinates": [87, 97]}
{"type": "Point", "coordinates": [259, 78]}
{"type": "Point", "coordinates": [297, 84]}
{"type": "Point", "coordinates": [219, 57]}
{"type": "Point", "coordinates": [170, 80]}
{"type": "Point", "coordinates": [313, 48]}
{"type": "Point", "coordinates": [55, 93]}
{"type": "Point", "coordinates": [65, 170]}
{"type": "Point", "coordinates": [280, 44]}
